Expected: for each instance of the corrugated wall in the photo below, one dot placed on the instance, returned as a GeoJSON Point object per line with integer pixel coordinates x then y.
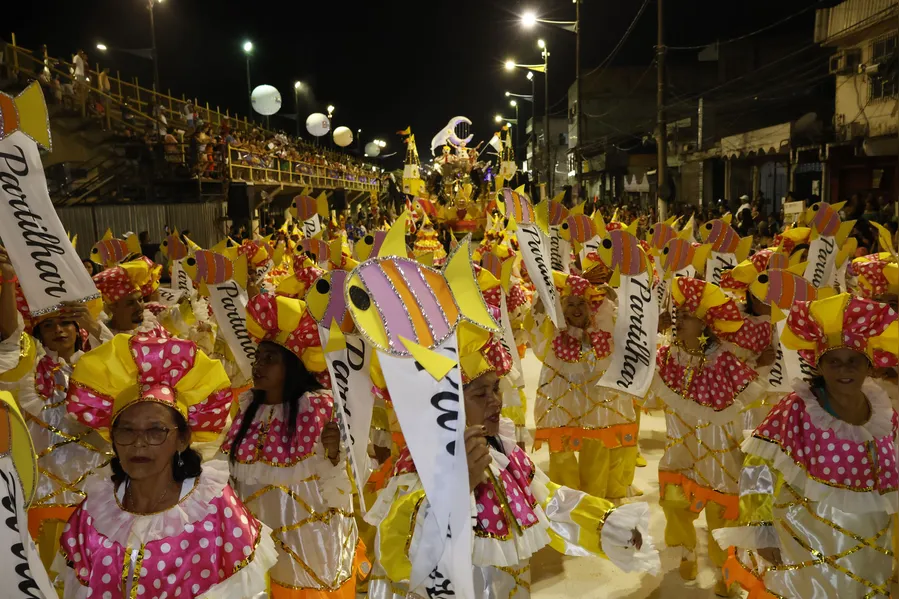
{"type": "Point", "coordinates": [91, 222]}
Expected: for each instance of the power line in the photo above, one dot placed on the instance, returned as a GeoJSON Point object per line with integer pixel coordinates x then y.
{"type": "Point", "coordinates": [748, 35]}
{"type": "Point", "coordinates": [608, 59]}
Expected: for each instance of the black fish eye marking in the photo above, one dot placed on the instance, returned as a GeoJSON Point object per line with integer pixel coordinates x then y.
{"type": "Point", "coordinates": [323, 287]}
{"type": "Point", "coordinates": [359, 298]}
{"type": "Point", "coordinates": [191, 261]}
{"type": "Point", "coordinates": [763, 279]}
{"type": "Point", "coordinates": [564, 225]}
{"type": "Point", "coordinates": [708, 226]}
{"type": "Point", "coordinates": [369, 239]}
{"type": "Point", "coordinates": [665, 251]}
{"type": "Point", "coordinates": [607, 243]}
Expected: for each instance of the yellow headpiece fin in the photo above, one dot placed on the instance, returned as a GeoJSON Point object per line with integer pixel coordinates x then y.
{"type": "Point", "coordinates": [436, 364]}
{"type": "Point", "coordinates": [336, 339]}
{"type": "Point", "coordinates": [395, 240]}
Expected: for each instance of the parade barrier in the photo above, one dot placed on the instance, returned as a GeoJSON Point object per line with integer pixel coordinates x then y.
{"type": "Point", "coordinates": [204, 220]}
{"type": "Point", "coordinates": [252, 167]}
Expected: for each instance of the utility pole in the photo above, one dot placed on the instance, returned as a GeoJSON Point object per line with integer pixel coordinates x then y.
{"type": "Point", "coordinates": [156, 88]}
{"type": "Point", "coordinates": [550, 167]}
{"type": "Point", "coordinates": [662, 188]}
{"type": "Point", "coordinates": [578, 155]}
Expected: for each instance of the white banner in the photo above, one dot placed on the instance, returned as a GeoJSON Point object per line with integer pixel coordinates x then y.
{"type": "Point", "coordinates": [312, 226]}
{"type": "Point", "coordinates": [559, 251]}
{"type": "Point", "coordinates": [46, 263]}
{"type": "Point", "coordinates": [169, 297]}
{"type": "Point", "coordinates": [353, 401]}
{"type": "Point", "coordinates": [229, 304]}
{"type": "Point", "coordinates": [532, 244]}
{"type": "Point", "coordinates": [661, 292]}
{"type": "Point", "coordinates": [717, 264]}
{"type": "Point", "coordinates": [634, 357]}
{"type": "Point", "coordinates": [822, 256]}
{"type": "Point", "coordinates": [21, 569]}
{"type": "Point", "coordinates": [794, 365]}
{"type": "Point", "coordinates": [516, 376]}
{"type": "Point", "coordinates": [778, 380]}
{"type": "Point", "coordinates": [180, 280]}
{"type": "Point", "coordinates": [432, 417]}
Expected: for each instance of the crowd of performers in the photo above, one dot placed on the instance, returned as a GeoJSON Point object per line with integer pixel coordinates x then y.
{"type": "Point", "coordinates": [154, 466]}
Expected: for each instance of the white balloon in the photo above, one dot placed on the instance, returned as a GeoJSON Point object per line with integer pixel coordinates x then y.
{"type": "Point", "coordinates": [266, 100]}
{"type": "Point", "coordinates": [372, 149]}
{"type": "Point", "coordinates": [343, 136]}
{"type": "Point", "coordinates": [318, 124]}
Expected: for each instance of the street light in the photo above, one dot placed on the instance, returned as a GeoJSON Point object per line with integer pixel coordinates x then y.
{"type": "Point", "coordinates": [540, 68]}
{"type": "Point", "coordinates": [297, 86]}
{"type": "Point", "coordinates": [528, 20]}
{"type": "Point", "coordinates": [248, 49]}
{"type": "Point", "coordinates": [102, 47]}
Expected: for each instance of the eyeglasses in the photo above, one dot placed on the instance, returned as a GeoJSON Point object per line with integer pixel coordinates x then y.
{"type": "Point", "coordinates": [129, 436]}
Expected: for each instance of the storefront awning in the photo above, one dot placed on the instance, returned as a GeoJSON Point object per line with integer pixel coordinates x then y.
{"type": "Point", "coordinates": [768, 140]}
{"type": "Point", "coordinates": [635, 183]}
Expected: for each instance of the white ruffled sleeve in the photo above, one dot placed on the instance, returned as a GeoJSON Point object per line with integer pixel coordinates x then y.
{"type": "Point", "coordinates": [583, 525]}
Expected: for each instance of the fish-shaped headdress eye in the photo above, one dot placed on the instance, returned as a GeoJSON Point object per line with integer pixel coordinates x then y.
{"type": "Point", "coordinates": [564, 225]}
{"type": "Point", "coordinates": [323, 286]}
{"type": "Point", "coordinates": [95, 250]}
{"type": "Point", "coordinates": [763, 278]}
{"type": "Point", "coordinates": [369, 239]}
{"type": "Point", "coordinates": [707, 226]}
{"type": "Point", "coordinates": [607, 243]}
{"type": "Point", "coordinates": [190, 261]}
{"type": "Point", "coordinates": [665, 251]}
{"type": "Point", "coordinates": [652, 230]}
{"type": "Point", "coordinates": [361, 300]}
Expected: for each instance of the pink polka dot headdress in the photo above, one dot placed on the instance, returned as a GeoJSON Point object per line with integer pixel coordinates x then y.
{"type": "Point", "coordinates": [305, 272]}
{"type": "Point", "coordinates": [172, 372]}
{"type": "Point", "coordinates": [843, 321]}
{"type": "Point", "coordinates": [287, 322]}
{"type": "Point", "coordinates": [127, 278]}
{"type": "Point", "coordinates": [707, 302]}
{"type": "Point", "coordinates": [877, 275]}
{"type": "Point", "coordinates": [480, 352]}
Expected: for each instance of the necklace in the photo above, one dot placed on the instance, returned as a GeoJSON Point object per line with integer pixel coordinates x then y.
{"type": "Point", "coordinates": [130, 498]}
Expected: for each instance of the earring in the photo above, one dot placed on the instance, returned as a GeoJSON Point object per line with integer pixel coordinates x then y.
{"type": "Point", "coordinates": [180, 460]}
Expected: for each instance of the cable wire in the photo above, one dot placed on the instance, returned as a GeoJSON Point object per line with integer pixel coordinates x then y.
{"type": "Point", "coordinates": [748, 35]}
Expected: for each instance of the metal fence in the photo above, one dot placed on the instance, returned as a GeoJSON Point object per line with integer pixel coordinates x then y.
{"type": "Point", "coordinates": [205, 222]}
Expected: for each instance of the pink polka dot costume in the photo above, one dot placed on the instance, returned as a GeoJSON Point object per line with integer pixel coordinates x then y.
{"type": "Point", "coordinates": [280, 469]}
{"type": "Point", "coordinates": [581, 421]}
{"type": "Point", "coordinates": [703, 391]}
{"type": "Point", "coordinates": [208, 544]}
{"type": "Point", "coordinates": [820, 489]}
{"type": "Point", "coordinates": [514, 514]}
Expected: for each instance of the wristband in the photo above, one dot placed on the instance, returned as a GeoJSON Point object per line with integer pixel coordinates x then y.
{"type": "Point", "coordinates": [14, 279]}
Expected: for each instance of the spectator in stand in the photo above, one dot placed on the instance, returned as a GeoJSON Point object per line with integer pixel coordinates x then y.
{"type": "Point", "coordinates": [871, 213]}
{"type": "Point", "coordinates": [189, 115]}
{"type": "Point", "coordinates": [172, 152]}
{"type": "Point", "coordinates": [160, 122]}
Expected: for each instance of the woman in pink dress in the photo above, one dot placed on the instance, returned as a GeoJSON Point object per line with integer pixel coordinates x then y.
{"type": "Point", "coordinates": [157, 523]}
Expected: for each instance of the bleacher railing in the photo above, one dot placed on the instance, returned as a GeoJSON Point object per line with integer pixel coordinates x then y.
{"type": "Point", "coordinates": [239, 164]}
{"type": "Point", "coordinates": [244, 165]}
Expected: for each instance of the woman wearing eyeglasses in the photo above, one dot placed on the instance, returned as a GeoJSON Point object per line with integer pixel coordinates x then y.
{"type": "Point", "coordinates": [157, 523]}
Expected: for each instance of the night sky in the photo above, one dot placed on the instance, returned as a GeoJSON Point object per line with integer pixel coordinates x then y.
{"type": "Point", "coordinates": [385, 64]}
